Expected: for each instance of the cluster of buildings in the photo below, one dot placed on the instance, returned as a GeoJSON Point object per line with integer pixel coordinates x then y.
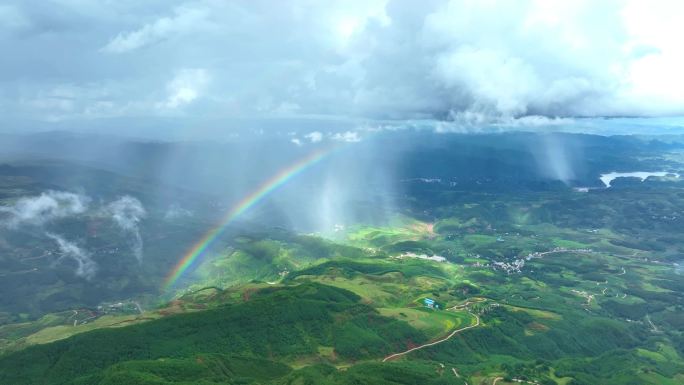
{"type": "Point", "coordinates": [431, 303]}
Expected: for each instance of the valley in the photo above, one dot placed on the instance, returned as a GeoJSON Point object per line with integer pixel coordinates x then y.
{"type": "Point", "coordinates": [460, 284]}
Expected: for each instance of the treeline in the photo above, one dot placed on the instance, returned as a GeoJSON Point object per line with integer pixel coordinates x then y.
{"type": "Point", "coordinates": [618, 367]}
{"type": "Point", "coordinates": [408, 268]}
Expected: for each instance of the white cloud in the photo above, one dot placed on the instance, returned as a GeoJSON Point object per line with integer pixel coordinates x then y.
{"type": "Point", "coordinates": [44, 208]}
{"type": "Point", "coordinates": [183, 20]}
{"type": "Point", "coordinates": [127, 212]}
{"type": "Point", "coordinates": [185, 87]}
{"type": "Point", "coordinates": [365, 60]}
{"type": "Point", "coordinates": [85, 266]}
{"type": "Point", "coordinates": [175, 211]}
{"type": "Point", "coordinates": [314, 137]}
{"type": "Point", "coordinates": [296, 141]}
{"type": "Point", "coordinates": [347, 136]}
{"type": "Point", "coordinates": [655, 30]}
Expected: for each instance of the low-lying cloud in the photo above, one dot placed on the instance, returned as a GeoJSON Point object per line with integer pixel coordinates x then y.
{"type": "Point", "coordinates": [175, 211]}
{"type": "Point", "coordinates": [39, 211]}
{"type": "Point", "coordinates": [127, 212]}
{"type": "Point", "coordinates": [85, 266]}
{"type": "Point", "coordinates": [43, 208]}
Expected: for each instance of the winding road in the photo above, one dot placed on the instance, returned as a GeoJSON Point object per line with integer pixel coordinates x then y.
{"type": "Point", "coordinates": [395, 355]}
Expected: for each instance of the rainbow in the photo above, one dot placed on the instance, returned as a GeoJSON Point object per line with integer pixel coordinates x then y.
{"type": "Point", "coordinates": [243, 205]}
